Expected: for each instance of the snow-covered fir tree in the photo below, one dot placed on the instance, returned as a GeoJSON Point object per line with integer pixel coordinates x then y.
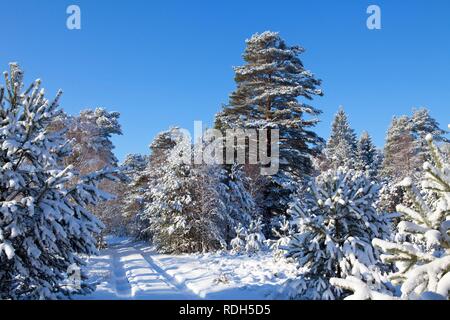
{"type": "Point", "coordinates": [240, 204]}
{"type": "Point", "coordinates": [283, 234]}
{"type": "Point", "coordinates": [268, 88]}
{"type": "Point", "coordinates": [237, 244]}
{"type": "Point", "coordinates": [187, 212]}
{"type": "Point", "coordinates": [255, 239]}
{"type": "Point", "coordinates": [341, 148]}
{"type": "Point", "coordinates": [400, 158]}
{"type": "Point", "coordinates": [421, 254]}
{"type": "Point", "coordinates": [422, 124]}
{"type": "Point", "coordinates": [131, 196]}
{"type": "Point", "coordinates": [336, 223]}
{"type": "Point", "coordinates": [425, 266]}
{"type": "Point", "coordinates": [91, 134]}
{"type": "Point", "coordinates": [45, 225]}
{"type": "Point", "coordinates": [368, 159]}
{"type": "Point", "coordinates": [148, 179]}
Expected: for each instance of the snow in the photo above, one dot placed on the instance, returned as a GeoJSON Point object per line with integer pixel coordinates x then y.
{"type": "Point", "coordinates": [8, 249]}
{"type": "Point", "coordinates": [133, 270]}
{"type": "Point", "coordinates": [361, 291]}
{"type": "Point", "coordinates": [407, 182]}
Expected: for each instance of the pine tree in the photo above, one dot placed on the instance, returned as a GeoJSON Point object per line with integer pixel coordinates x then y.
{"type": "Point", "coordinates": [238, 243]}
{"type": "Point", "coordinates": [422, 257]}
{"type": "Point", "coordinates": [336, 223]}
{"type": "Point", "coordinates": [187, 212]}
{"type": "Point", "coordinates": [268, 88]}
{"type": "Point", "coordinates": [423, 124]}
{"type": "Point", "coordinates": [341, 148]}
{"type": "Point", "coordinates": [283, 233]}
{"type": "Point", "coordinates": [45, 225]}
{"type": "Point", "coordinates": [424, 267]}
{"type": "Point", "coordinates": [90, 134]}
{"type": "Point", "coordinates": [131, 199]}
{"type": "Point", "coordinates": [400, 158]}
{"type": "Point", "coordinates": [239, 203]}
{"type": "Point", "coordinates": [255, 240]}
{"type": "Point", "coordinates": [367, 156]}
{"type": "Point", "coordinates": [149, 178]}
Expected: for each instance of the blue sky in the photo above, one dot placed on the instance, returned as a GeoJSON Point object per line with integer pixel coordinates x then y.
{"type": "Point", "coordinates": [163, 63]}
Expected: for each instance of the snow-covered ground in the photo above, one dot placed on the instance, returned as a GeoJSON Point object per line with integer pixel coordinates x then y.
{"type": "Point", "coordinates": [133, 270]}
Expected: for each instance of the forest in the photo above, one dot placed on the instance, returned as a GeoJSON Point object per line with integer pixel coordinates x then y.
{"type": "Point", "coordinates": [351, 220]}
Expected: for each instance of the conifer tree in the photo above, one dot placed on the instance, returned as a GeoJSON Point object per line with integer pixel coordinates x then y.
{"type": "Point", "coordinates": [90, 133]}
{"type": "Point", "coordinates": [255, 240]}
{"type": "Point", "coordinates": [240, 204]}
{"type": "Point", "coordinates": [400, 160]}
{"type": "Point", "coordinates": [367, 156]}
{"type": "Point", "coordinates": [341, 148]}
{"type": "Point", "coordinates": [283, 233]}
{"type": "Point", "coordinates": [336, 223]}
{"type": "Point", "coordinates": [45, 225]}
{"type": "Point", "coordinates": [186, 212]}
{"type": "Point", "coordinates": [268, 88]}
{"type": "Point", "coordinates": [421, 255]}
{"type": "Point", "coordinates": [424, 266]}
{"type": "Point", "coordinates": [149, 178]}
{"type": "Point", "coordinates": [423, 124]}
{"type": "Point", "coordinates": [238, 243]}
{"type": "Point", "coordinates": [132, 191]}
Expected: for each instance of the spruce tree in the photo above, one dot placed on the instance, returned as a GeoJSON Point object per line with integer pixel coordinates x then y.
{"type": "Point", "coordinates": [367, 155]}
{"type": "Point", "coordinates": [186, 212]}
{"type": "Point", "coordinates": [239, 203]}
{"type": "Point", "coordinates": [336, 223]}
{"type": "Point", "coordinates": [237, 244]}
{"type": "Point", "coordinates": [341, 148]}
{"type": "Point", "coordinates": [421, 253]}
{"type": "Point", "coordinates": [90, 133]}
{"type": "Point", "coordinates": [148, 179]}
{"type": "Point", "coordinates": [423, 259]}
{"type": "Point", "coordinates": [45, 226]}
{"type": "Point", "coordinates": [423, 124]}
{"type": "Point", "coordinates": [131, 196]}
{"type": "Point", "coordinates": [268, 88]}
{"type": "Point", "coordinates": [400, 160]}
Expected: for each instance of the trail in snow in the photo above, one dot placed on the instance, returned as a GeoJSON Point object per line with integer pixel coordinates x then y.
{"type": "Point", "coordinates": [133, 270]}
{"type": "Point", "coordinates": [131, 276]}
{"type": "Point", "coordinates": [121, 284]}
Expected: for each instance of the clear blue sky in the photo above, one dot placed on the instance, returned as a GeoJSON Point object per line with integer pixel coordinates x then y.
{"type": "Point", "coordinates": [163, 63]}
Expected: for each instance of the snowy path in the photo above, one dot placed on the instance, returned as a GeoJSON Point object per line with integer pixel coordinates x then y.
{"type": "Point", "coordinates": [133, 276]}
{"type": "Point", "coordinates": [133, 270]}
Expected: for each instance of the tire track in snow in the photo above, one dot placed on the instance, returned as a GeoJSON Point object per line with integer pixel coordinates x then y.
{"type": "Point", "coordinates": [121, 284]}
{"type": "Point", "coordinates": [135, 275]}
{"type": "Point", "coordinates": [167, 277]}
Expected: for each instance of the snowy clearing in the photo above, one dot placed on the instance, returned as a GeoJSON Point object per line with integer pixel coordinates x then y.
{"type": "Point", "coordinates": [133, 270]}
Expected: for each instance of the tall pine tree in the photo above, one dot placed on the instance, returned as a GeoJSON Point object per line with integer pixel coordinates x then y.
{"type": "Point", "coordinates": [267, 96]}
